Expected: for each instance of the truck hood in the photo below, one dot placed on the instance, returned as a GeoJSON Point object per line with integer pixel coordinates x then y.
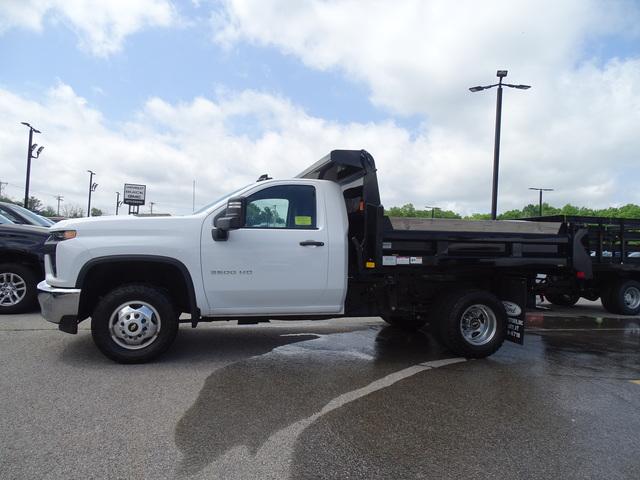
{"type": "Point", "coordinates": [115, 225]}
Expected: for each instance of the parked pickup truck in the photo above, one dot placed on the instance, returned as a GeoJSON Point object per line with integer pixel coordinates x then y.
{"type": "Point", "coordinates": [312, 247]}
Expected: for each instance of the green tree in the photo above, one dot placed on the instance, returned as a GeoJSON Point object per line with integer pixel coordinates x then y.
{"type": "Point", "coordinates": [71, 210]}
{"type": "Point", "coordinates": [96, 212]}
{"type": "Point", "coordinates": [34, 204]}
{"type": "Point", "coordinates": [408, 210]}
{"type": "Point", "coordinates": [48, 212]}
{"type": "Point", "coordinates": [478, 216]}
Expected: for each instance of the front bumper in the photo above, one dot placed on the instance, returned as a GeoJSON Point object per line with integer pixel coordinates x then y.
{"type": "Point", "coordinates": [59, 305]}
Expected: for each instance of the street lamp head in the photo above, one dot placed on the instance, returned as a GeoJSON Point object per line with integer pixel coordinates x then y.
{"type": "Point", "coordinates": [523, 87]}
{"type": "Point", "coordinates": [501, 73]}
{"type": "Point", "coordinates": [33, 147]}
{"type": "Point", "coordinates": [94, 186]}
{"type": "Point", "coordinates": [29, 125]}
{"type": "Point", "coordinates": [39, 151]}
{"type": "Point", "coordinates": [477, 89]}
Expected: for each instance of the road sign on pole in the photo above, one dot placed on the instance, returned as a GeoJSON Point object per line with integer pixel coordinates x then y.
{"type": "Point", "coordinates": [134, 194]}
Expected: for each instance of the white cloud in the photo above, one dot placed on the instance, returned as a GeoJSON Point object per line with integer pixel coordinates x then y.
{"type": "Point", "coordinates": [101, 27]}
{"type": "Point", "coordinates": [228, 142]}
{"type": "Point", "coordinates": [418, 56]}
{"type": "Point", "coordinates": [575, 130]}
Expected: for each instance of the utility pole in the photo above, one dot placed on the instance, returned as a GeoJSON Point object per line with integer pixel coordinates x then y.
{"type": "Point", "coordinates": [30, 155]}
{"type": "Point", "coordinates": [59, 198]}
{"type": "Point", "coordinates": [118, 202]}
{"type": "Point", "coordinates": [92, 188]}
{"type": "Point", "coordinates": [151, 204]}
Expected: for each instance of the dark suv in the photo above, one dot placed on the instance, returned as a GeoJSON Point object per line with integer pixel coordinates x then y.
{"type": "Point", "coordinates": [21, 266]}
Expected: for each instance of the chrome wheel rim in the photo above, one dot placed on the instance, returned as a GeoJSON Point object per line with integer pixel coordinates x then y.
{"type": "Point", "coordinates": [134, 325]}
{"type": "Point", "coordinates": [13, 289]}
{"type": "Point", "coordinates": [632, 298]}
{"type": "Point", "coordinates": [478, 324]}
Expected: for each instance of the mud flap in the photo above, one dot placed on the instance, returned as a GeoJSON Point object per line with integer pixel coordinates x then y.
{"type": "Point", "coordinates": [513, 293]}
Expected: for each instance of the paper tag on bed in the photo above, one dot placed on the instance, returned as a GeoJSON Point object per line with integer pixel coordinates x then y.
{"type": "Point", "coordinates": [416, 260]}
{"type": "Point", "coordinates": [389, 260]}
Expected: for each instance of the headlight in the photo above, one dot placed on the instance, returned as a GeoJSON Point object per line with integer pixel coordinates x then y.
{"type": "Point", "coordinates": [60, 235]}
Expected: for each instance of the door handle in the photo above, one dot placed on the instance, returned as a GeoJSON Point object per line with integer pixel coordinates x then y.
{"type": "Point", "coordinates": [311, 243]}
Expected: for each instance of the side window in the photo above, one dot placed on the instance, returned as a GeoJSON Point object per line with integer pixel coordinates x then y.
{"type": "Point", "coordinates": [284, 206]}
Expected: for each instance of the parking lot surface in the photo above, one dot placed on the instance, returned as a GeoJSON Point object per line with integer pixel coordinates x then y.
{"type": "Point", "coordinates": [345, 398]}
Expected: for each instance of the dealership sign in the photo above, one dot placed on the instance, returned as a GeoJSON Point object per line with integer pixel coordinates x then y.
{"type": "Point", "coordinates": [134, 194]}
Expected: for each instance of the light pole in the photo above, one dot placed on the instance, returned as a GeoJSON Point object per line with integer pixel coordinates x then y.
{"type": "Point", "coordinates": [118, 202]}
{"type": "Point", "coordinates": [433, 210]}
{"type": "Point", "coordinates": [496, 148]}
{"type": "Point", "coordinates": [30, 155]}
{"type": "Point", "coordinates": [92, 188]}
{"type": "Point", "coordinates": [541, 190]}
{"type": "Point", "coordinates": [59, 198]}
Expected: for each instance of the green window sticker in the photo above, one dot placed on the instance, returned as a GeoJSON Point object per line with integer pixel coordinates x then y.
{"type": "Point", "coordinates": [303, 220]}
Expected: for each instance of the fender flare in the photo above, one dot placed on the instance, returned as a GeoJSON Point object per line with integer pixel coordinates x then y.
{"type": "Point", "coordinates": [193, 304]}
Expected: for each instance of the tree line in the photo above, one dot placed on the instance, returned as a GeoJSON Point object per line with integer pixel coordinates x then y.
{"type": "Point", "coordinates": [626, 211]}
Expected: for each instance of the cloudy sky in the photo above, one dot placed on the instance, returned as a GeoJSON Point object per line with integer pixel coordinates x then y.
{"type": "Point", "coordinates": [164, 92]}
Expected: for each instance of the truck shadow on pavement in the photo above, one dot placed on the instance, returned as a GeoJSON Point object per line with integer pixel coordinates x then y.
{"type": "Point", "coordinates": [244, 407]}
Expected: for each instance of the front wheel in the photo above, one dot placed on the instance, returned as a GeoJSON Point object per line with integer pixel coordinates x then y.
{"type": "Point", "coordinates": [472, 323]}
{"type": "Point", "coordinates": [134, 324]}
{"type": "Point", "coordinates": [18, 288]}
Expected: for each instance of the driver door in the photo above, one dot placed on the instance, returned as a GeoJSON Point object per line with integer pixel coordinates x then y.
{"type": "Point", "coordinates": [277, 262]}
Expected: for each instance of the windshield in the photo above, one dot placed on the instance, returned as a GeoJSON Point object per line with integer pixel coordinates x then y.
{"type": "Point", "coordinates": [220, 199]}
{"type": "Point", "coordinates": [36, 219]}
{"type": "Point", "coordinates": [20, 215]}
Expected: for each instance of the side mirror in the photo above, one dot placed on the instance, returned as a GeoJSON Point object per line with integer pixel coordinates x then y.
{"type": "Point", "coordinates": [219, 235]}
{"type": "Point", "coordinates": [234, 215]}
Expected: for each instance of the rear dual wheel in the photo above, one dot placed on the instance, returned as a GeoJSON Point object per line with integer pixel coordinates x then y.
{"type": "Point", "coordinates": [623, 297]}
{"type": "Point", "coordinates": [472, 323]}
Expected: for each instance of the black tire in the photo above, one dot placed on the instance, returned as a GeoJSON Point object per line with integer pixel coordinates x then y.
{"type": "Point", "coordinates": [563, 299]}
{"type": "Point", "coordinates": [450, 315]}
{"type": "Point", "coordinates": [625, 297]}
{"type": "Point", "coordinates": [607, 300]}
{"type": "Point", "coordinates": [14, 275]}
{"type": "Point", "coordinates": [406, 322]}
{"type": "Point", "coordinates": [119, 348]}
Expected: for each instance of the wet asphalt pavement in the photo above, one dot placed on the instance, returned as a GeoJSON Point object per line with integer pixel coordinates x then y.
{"type": "Point", "coordinates": [347, 398]}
